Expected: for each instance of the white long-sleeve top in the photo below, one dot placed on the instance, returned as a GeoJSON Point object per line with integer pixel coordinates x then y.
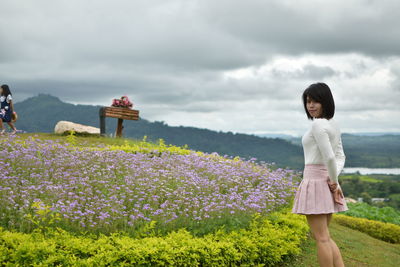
{"type": "Point", "coordinates": [322, 144]}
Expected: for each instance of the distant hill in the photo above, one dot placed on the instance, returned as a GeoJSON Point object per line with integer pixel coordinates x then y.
{"type": "Point", "coordinates": [42, 112]}
{"type": "Point", "coordinates": [376, 133]}
{"type": "Point", "coordinates": [282, 136]}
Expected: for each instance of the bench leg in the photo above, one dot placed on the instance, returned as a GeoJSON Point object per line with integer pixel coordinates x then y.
{"type": "Point", "coordinates": [119, 128]}
{"type": "Point", "coordinates": [102, 125]}
{"type": "Point", "coordinates": [102, 121]}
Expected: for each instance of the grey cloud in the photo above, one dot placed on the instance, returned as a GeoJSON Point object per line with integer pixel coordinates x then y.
{"type": "Point", "coordinates": [169, 33]}
{"type": "Point", "coordinates": [194, 35]}
{"type": "Point", "coordinates": [309, 71]}
{"type": "Point", "coordinates": [368, 27]}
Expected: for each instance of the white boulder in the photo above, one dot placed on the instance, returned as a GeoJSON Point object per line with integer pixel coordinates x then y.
{"type": "Point", "coordinates": [65, 126]}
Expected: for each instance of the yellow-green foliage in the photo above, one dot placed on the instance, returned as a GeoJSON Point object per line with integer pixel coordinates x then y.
{"type": "Point", "coordinates": [43, 216]}
{"type": "Point", "coordinates": [384, 231]}
{"type": "Point", "coordinates": [267, 242]}
{"type": "Point", "coordinates": [71, 138]}
{"type": "Point", "coordinates": [146, 147]}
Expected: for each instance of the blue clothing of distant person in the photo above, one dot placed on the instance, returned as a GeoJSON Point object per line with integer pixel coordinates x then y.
{"type": "Point", "coordinates": [6, 108]}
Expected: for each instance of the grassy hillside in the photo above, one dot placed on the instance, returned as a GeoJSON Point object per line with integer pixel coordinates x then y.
{"type": "Point", "coordinates": [358, 250]}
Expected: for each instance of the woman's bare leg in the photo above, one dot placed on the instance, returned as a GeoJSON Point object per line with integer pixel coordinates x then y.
{"type": "Point", "coordinates": [329, 218]}
{"type": "Point", "coordinates": [1, 127]}
{"type": "Point", "coordinates": [12, 127]}
{"type": "Point", "coordinates": [337, 257]}
{"type": "Point", "coordinates": [319, 228]}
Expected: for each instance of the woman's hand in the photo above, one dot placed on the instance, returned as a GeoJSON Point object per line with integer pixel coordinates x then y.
{"type": "Point", "coordinates": [338, 196]}
{"type": "Point", "coordinates": [337, 193]}
{"type": "Point", "coordinates": [332, 186]}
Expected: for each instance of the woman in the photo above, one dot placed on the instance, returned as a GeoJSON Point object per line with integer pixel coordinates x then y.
{"type": "Point", "coordinates": [319, 193]}
{"type": "Point", "coordinates": [6, 109]}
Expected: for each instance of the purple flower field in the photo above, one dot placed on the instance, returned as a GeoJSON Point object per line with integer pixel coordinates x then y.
{"type": "Point", "coordinates": [109, 190]}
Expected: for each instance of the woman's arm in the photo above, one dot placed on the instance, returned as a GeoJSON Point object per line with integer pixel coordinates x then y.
{"type": "Point", "coordinates": [340, 157]}
{"type": "Point", "coordinates": [9, 100]}
{"type": "Point", "coordinates": [320, 133]}
{"type": "Point", "coordinates": [12, 106]}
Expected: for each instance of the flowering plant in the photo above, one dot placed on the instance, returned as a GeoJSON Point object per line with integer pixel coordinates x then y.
{"type": "Point", "coordinates": [122, 102]}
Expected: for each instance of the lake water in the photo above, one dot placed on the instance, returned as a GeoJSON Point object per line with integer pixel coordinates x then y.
{"type": "Point", "coordinates": [365, 171]}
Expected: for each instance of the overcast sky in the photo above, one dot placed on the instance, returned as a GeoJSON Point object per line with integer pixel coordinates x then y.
{"type": "Point", "coordinates": [227, 65]}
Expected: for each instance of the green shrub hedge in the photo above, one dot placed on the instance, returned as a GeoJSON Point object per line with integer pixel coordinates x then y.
{"type": "Point", "coordinates": [384, 231]}
{"type": "Point", "coordinates": [268, 241]}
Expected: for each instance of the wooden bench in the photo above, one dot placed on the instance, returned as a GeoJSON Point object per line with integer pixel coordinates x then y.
{"type": "Point", "coordinates": [116, 112]}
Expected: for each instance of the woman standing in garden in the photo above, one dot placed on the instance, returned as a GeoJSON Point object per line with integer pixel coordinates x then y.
{"type": "Point", "coordinates": [6, 109]}
{"type": "Point", "coordinates": [319, 193]}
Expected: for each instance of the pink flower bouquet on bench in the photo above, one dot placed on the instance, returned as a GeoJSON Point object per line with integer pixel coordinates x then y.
{"type": "Point", "coordinates": [124, 102]}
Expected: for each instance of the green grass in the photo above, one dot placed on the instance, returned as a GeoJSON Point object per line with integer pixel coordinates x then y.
{"type": "Point", "coordinates": [358, 250]}
{"type": "Point", "coordinates": [364, 178]}
{"type": "Point", "coordinates": [364, 210]}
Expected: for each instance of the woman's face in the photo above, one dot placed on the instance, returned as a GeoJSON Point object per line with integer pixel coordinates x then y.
{"type": "Point", "coordinates": [314, 108]}
{"type": "Point", "coordinates": [1, 90]}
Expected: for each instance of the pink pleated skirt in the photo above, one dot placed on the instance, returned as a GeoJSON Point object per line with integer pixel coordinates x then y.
{"type": "Point", "coordinates": [313, 195]}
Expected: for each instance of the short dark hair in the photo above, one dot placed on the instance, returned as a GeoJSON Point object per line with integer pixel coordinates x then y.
{"type": "Point", "coordinates": [6, 90]}
{"type": "Point", "coordinates": [321, 93]}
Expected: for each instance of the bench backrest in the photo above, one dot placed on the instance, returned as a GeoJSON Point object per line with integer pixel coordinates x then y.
{"type": "Point", "coordinates": [120, 113]}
